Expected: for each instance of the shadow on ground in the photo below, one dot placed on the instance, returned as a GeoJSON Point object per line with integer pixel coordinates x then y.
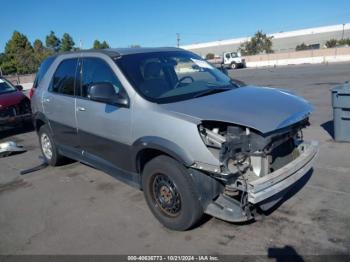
{"type": "Point", "coordinates": [329, 127]}
{"type": "Point", "coordinates": [286, 253]}
{"type": "Point", "coordinates": [277, 200]}
{"type": "Point", "coordinates": [16, 130]}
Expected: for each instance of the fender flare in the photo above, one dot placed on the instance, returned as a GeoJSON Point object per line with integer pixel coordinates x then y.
{"type": "Point", "coordinates": [161, 144]}
{"type": "Point", "coordinates": [40, 116]}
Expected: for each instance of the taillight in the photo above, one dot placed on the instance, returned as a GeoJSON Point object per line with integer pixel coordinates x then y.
{"type": "Point", "coordinates": [31, 92]}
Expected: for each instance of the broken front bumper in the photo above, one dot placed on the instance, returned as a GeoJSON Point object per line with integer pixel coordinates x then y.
{"type": "Point", "coordinates": [267, 187]}
{"type": "Point", "coordinates": [273, 183]}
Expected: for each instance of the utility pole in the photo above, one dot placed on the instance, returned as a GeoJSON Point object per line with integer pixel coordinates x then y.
{"type": "Point", "coordinates": [178, 39]}
{"type": "Point", "coordinates": [342, 35]}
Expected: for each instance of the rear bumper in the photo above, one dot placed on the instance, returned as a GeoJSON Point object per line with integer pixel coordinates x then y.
{"type": "Point", "coordinates": [274, 183]}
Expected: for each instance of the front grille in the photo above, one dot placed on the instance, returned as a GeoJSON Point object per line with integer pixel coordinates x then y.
{"type": "Point", "coordinates": [8, 112]}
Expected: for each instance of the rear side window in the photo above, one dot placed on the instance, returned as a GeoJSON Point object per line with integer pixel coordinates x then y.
{"type": "Point", "coordinates": [95, 70]}
{"type": "Point", "coordinates": [42, 70]}
{"type": "Point", "coordinates": [63, 81]}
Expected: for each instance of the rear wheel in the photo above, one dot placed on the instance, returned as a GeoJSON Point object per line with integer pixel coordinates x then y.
{"type": "Point", "coordinates": [48, 147]}
{"type": "Point", "coordinates": [170, 193]}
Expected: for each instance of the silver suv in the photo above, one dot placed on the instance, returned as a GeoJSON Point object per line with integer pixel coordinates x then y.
{"type": "Point", "coordinates": [169, 123]}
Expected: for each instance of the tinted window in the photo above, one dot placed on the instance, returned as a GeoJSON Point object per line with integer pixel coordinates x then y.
{"type": "Point", "coordinates": [64, 78]}
{"type": "Point", "coordinates": [6, 87]}
{"type": "Point", "coordinates": [42, 70]}
{"type": "Point", "coordinates": [95, 70]}
{"type": "Point", "coordinates": [165, 77]}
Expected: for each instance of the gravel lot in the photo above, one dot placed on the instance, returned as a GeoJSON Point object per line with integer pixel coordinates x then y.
{"type": "Point", "coordinates": [75, 209]}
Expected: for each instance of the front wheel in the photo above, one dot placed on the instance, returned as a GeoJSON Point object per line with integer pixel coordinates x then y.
{"type": "Point", "coordinates": [170, 193]}
{"type": "Point", "coordinates": [233, 66]}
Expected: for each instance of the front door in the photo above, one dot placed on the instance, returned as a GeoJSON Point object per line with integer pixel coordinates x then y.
{"type": "Point", "coordinates": [104, 130]}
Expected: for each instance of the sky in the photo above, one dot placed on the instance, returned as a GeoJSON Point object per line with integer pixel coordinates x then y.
{"type": "Point", "coordinates": [155, 22]}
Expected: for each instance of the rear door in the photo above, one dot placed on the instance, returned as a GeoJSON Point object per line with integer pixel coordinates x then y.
{"type": "Point", "coordinates": [104, 130]}
{"type": "Point", "coordinates": [59, 104]}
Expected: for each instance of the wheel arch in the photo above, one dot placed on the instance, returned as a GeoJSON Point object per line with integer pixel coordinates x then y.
{"type": "Point", "coordinates": [39, 119]}
{"type": "Point", "coordinates": [146, 148]}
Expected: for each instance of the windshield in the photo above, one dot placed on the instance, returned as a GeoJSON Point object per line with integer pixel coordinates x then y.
{"type": "Point", "coordinates": [166, 77]}
{"type": "Point", "coordinates": [6, 87]}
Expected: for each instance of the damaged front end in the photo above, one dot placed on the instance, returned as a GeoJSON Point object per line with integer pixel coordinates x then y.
{"type": "Point", "coordinates": [253, 167]}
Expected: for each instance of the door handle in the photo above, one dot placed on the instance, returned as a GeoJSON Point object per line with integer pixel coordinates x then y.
{"type": "Point", "coordinates": [81, 108]}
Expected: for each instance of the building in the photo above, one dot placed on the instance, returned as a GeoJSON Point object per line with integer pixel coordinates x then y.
{"type": "Point", "coordinates": [282, 42]}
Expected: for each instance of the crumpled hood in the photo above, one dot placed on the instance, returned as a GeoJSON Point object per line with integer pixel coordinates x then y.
{"type": "Point", "coordinates": [261, 108]}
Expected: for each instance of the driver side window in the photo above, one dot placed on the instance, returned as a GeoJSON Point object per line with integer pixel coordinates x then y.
{"type": "Point", "coordinates": [95, 70]}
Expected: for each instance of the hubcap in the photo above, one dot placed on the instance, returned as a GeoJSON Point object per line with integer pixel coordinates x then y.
{"type": "Point", "coordinates": [166, 196]}
{"type": "Point", "coordinates": [46, 146]}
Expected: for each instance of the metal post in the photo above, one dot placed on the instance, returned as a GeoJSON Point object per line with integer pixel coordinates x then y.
{"type": "Point", "coordinates": [342, 35]}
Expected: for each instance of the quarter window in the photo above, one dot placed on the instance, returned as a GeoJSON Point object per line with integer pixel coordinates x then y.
{"type": "Point", "coordinates": [64, 77]}
{"type": "Point", "coordinates": [95, 70]}
{"type": "Point", "coordinates": [42, 71]}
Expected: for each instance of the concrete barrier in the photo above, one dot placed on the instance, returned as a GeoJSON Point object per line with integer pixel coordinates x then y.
{"type": "Point", "coordinates": [318, 56]}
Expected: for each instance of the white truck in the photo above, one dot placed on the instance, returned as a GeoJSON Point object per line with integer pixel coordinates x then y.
{"type": "Point", "coordinates": [231, 60]}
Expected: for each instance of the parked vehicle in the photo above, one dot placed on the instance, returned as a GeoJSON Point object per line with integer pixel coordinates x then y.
{"type": "Point", "coordinates": [169, 123]}
{"type": "Point", "coordinates": [231, 60]}
{"type": "Point", "coordinates": [14, 105]}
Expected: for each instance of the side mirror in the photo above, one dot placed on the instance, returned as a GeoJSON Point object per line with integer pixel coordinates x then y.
{"type": "Point", "coordinates": [19, 87]}
{"type": "Point", "coordinates": [105, 93]}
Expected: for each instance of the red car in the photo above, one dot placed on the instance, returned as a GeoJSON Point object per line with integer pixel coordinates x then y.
{"type": "Point", "coordinates": [14, 105]}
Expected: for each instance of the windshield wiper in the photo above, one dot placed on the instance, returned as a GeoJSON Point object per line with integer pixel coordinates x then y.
{"type": "Point", "coordinates": [212, 91]}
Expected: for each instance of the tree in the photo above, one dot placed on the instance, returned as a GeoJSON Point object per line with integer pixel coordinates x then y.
{"type": "Point", "coordinates": [98, 45]}
{"type": "Point", "coordinates": [40, 52]}
{"type": "Point", "coordinates": [2, 58]}
{"type": "Point", "coordinates": [302, 47]}
{"type": "Point", "coordinates": [38, 45]}
{"type": "Point", "coordinates": [53, 42]}
{"type": "Point", "coordinates": [259, 43]}
{"type": "Point", "coordinates": [18, 56]}
{"type": "Point", "coordinates": [104, 45]}
{"type": "Point", "coordinates": [345, 41]}
{"type": "Point", "coordinates": [67, 43]}
{"type": "Point", "coordinates": [331, 43]}
{"type": "Point", "coordinates": [210, 56]}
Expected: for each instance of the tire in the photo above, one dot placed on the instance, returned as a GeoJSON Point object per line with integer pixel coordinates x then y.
{"type": "Point", "coordinates": [233, 65]}
{"type": "Point", "coordinates": [45, 137]}
{"type": "Point", "coordinates": [164, 180]}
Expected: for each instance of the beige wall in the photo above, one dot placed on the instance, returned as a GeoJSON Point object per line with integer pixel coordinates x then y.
{"type": "Point", "coordinates": [300, 54]}
{"type": "Point", "coordinates": [21, 79]}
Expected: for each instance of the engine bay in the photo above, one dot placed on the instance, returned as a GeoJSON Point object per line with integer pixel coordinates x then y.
{"type": "Point", "coordinates": [241, 150]}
